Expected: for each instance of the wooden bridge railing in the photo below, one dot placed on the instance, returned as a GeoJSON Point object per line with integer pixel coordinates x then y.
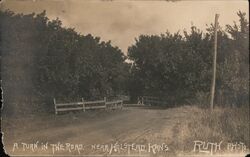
{"type": "Point", "coordinates": [149, 100]}
{"type": "Point", "coordinates": [86, 105]}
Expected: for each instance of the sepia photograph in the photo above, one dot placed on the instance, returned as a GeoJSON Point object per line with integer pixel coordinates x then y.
{"type": "Point", "coordinates": [125, 78]}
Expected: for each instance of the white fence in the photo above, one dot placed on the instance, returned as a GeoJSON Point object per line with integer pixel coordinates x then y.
{"type": "Point", "coordinates": [86, 105]}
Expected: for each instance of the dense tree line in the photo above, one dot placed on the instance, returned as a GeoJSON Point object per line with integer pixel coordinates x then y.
{"type": "Point", "coordinates": [179, 67]}
{"type": "Point", "coordinates": [42, 60]}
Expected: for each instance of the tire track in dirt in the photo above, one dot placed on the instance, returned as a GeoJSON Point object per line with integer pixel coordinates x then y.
{"type": "Point", "coordinates": [141, 134]}
{"type": "Point", "coordinates": [128, 126]}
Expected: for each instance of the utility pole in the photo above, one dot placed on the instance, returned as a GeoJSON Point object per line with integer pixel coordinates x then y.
{"type": "Point", "coordinates": [214, 62]}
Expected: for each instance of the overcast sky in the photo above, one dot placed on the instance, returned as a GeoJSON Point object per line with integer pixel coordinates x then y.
{"type": "Point", "coordinates": [122, 21]}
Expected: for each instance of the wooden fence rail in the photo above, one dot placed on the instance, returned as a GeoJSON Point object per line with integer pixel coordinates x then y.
{"type": "Point", "coordinates": [86, 105]}
{"type": "Point", "coordinates": [114, 104]}
{"type": "Point", "coordinates": [149, 100]}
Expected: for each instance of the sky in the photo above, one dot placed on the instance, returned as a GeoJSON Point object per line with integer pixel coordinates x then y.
{"type": "Point", "coordinates": [121, 21]}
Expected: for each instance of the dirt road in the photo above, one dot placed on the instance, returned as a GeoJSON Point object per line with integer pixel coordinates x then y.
{"type": "Point", "coordinates": [131, 131]}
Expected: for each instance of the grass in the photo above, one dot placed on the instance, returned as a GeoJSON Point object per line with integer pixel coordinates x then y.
{"type": "Point", "coordinates": [222, 124]}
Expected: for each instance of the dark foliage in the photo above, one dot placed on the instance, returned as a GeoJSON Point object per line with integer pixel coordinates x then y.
{"type": "Point", "coordinates": [179, 68]}
{"type": "Point", "coordinates": [42, 60]}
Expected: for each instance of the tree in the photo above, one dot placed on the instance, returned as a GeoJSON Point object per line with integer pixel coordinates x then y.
{"type": "Point", "coordinates": [43, 60]}
{"type": "Point", "coordinates": [179, 68]}
{"type": "Point", "coordinates": [234, 70]}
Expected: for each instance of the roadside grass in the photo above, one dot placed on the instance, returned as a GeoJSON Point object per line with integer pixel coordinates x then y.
{"type": "Point", "coordinates": [222, 124]}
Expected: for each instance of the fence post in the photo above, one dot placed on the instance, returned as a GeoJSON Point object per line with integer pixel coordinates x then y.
{"type": "Point", "coordinates": [121, 104]}
{"type": "Point", "coordinates": [55, 105]}
{"type": "Point", "coordinates": [83, 105]}
{"type": "Point", "coordinates": [105, 100]}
